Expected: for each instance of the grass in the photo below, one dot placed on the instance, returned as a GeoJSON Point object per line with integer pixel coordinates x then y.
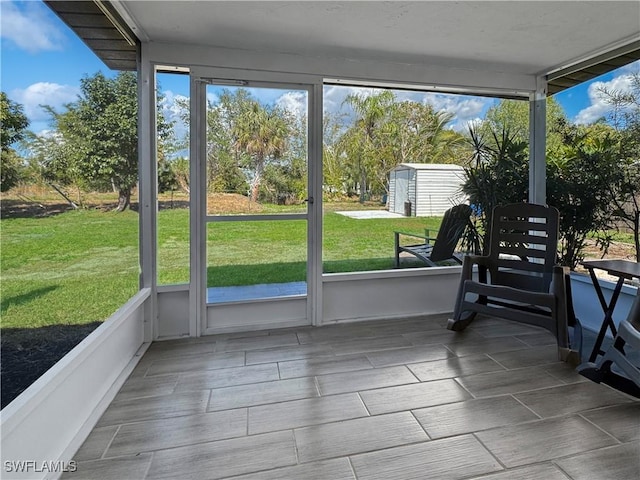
{"type": "Point", "coordinates": [245, 253]}
{"type": "Point", "coordinates": [61, 275]}
{"type": "Point", "coordinates": [63, 272]}
{"type": "Point", "coordinates": [77, 267]}
{"type": "Point", "coordinates": [70, 269]}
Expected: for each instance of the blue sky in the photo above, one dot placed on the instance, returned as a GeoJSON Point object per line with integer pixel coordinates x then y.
{"type": "Point", "coordinates": [42, 62]}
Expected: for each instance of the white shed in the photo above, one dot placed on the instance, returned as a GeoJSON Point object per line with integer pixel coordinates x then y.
{"type": "Point", "coordinates": [425, 189]}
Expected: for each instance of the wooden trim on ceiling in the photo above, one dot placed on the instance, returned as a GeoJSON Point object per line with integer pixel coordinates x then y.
{"type": "Point", "coordinates": [102, 29]}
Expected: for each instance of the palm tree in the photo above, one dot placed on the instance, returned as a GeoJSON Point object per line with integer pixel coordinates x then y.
{"type": "Point", "coordinates": [364, 142]}
{"type": "Point", "coordinates": [262, 133]}
{"type": "Point", "coordinates": [421, 134]}
{"type": "Point", "coordinates": [386, 133]}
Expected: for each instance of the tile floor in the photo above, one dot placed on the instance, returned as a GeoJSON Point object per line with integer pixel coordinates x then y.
{"type": "Point", "coordinates": [401, 399]}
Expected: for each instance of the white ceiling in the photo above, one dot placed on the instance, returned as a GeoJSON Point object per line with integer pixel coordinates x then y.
{"type": "Point", "coordinates": [534, 37]}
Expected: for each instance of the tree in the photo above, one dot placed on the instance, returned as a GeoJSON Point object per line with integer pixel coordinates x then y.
{"type": "Point", "coordinates": [14, 124]}
{"type": "Point", "coordinates": [363, 143]}
{"type": "Point", "coordinates": [262, 133]}
{"type": "Point", "coordinates": [252, 147]}
{"type": "Point", "coordinates": [334, 178]}
{"type": "Point", "coordinates": [167, 144]}
{"type": "Point", "coordinates": [579, 180]}
{"type": "Point", "coordinates": [420, 134]}
{"type": "Point", "coordinates": [223, 160]}
{"type": "Point", "coordinates": [579, 177]}
{"type": "Point", "coordinates": [513, 115]}
{"type": "Point", "coordinates": [180, 170]}
{"type": "Point", "coordinates": [102, 127]}
{"type": "Point", "coordinates": [497, 174]}
{"type": "Point", "coordinates": [58, 161]}
{"type": "Point", "coordinates": [385, 133]}
{"type": "Point", "coordinates": [285, 181]}
{"type": "Point", "coordinates": [625, 118]}
{"type": "Point", "coordinates": [97, 136]}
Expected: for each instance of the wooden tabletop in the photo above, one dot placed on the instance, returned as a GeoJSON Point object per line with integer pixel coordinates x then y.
{"type": "Point", "coordinates": [618, 268]}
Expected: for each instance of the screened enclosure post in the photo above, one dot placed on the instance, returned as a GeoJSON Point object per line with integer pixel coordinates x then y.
{"type": "Point", "coordinates": [537, 143]}
{"type": "Point", "coordinates": [197, 206]}
{"type": "Point", "coordinates": [314, 278]}
{"type": "Point", "coordinates": [147, 187]}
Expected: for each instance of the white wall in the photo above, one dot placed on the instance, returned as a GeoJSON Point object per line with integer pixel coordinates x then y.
{"type": "Point", "coordinates": [412, 190]}
{"type": "Point", "coordinates": [432, 188]}
{"type": "Point", "coordinates": [341, 68]}
{"type": "Point", "coordinates": [173, 312]}
{"type": "Point", "coordinates": [49, 421]}
{"type": "Point", "coordinates": [437, 190]}
{"type": "Point", "coordinates": [391, 199]}
{"type": "Point", "coordinates": [587, 307]}
{"type": "Point", "coordinates": [256, 315]}
{"type": "Point", "coordinates": [345, 297]}
{"type": "Point", "coordinates": [389, 294]}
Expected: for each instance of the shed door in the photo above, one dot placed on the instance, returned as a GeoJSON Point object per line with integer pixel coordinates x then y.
{"type": "Point", "coordinates": [401, 191]}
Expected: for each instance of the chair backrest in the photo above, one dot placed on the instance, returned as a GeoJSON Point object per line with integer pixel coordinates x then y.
{"type": "Point", "coordinates": [523, 247]}
{"type": "Point", "coordinates": [454, 221]}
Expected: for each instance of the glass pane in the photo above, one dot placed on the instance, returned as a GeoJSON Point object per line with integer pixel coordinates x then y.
{"type": "Point", "coordinates": [256, 259]}
{"type": "Point", "coordinates": [173, 240]}
{"type": "Point", "coordinates": [368, 135]}
{"type": "Point", "coordinates": [173, 180]}
{"type": "Point", "coordinates": [363, 239]}
{"type": "Point", "coordinates": [256, 150]}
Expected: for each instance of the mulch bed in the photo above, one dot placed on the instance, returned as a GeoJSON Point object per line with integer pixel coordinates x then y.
{"type": "Point", "coordinates": [25, 354]}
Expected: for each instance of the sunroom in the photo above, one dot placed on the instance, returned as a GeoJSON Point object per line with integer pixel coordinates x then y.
{"type": "Point", "coordinates": [353, 369]}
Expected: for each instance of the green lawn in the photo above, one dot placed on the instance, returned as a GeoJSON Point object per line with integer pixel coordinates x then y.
{"type": "Point", "coordinates": [78, 267]}
{"type": "Point", "coordinates": [71, 268]}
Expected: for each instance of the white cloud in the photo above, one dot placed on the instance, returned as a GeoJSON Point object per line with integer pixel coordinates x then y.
{"type": "Point", "coordinates": [173, 105]}
{"type": "Point", "coordinates": [464, 108]}
{"type": "Point", "coordinates": [29, 27]}
{"type": "Point", "coordinates": [294, 102]}
{"type": "Point", "coordinates": [44, 93]}
{"type": "Point", "coordinates": [599, 106]}
{"type": "Point", "coordinates": [50, 134]}
{"type": "Point", "coordinates": [173, 111]}
{"type": "Point", "coordinates": [335, 95]}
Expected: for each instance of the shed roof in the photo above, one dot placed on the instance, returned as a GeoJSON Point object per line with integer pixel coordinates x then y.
{"type": "Point", "coordinates": [430, 166]}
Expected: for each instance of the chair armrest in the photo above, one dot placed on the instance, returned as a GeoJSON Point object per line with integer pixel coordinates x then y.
{"type": "Point", "coordinates": [416, 235]}
{"type": "Point", "coordinates": [468, 261]}
{"type": "Point", "coordinates": [428, 231]}
{"type": "Point", "coordinates": [481, 260]}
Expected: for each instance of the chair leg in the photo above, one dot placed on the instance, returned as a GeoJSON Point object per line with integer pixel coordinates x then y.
{"type": "Point", "coordinates": [461, 318]}
{"type": "Point", "coordinates": [602, 373]}
{"type": "Point", "coordinates": [460, 324]}
{"type": "Point", "coordinates": [626, 378]}
{"type": "Point", "coordinates": [572, 357]}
